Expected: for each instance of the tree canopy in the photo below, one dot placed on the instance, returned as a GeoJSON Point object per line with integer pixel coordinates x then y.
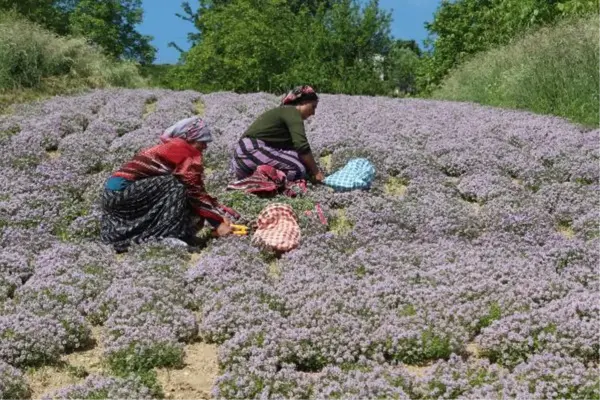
{"type": "Point", "coordinates": [110, 24]}
{"type": "Point", "coordinates": [270, 45]}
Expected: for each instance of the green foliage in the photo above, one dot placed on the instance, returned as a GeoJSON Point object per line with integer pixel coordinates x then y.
{"type": "Point", "coordinates": [158, 75]}
{"type": "Point", "coordinates": [401, 69]}
{"type": "Point", "coordinates": [464, 27]}
{"type": "Point", "coordinates": [242, 48]}
{"type": "Point", "coordinates": [35, 59]}
{"type": "Point", "coordinates": [7, 133]}
{"type": "Point", "coordinates": [51, 14]}
{"type": "Point", "coordinates": [138, 360]}
{"type": "Point", "coordinates": [428, 347]}
{"type": "Point", "coordinates": [249, 206]}
{"type": "Point", "coordinates": [339, 223]}
{"type": "Point", "coordinates": [494, 313]}
{"type": "Point", "coordinates": [552, 71]}
{"type": "Point", "coordinates": [112, 25]}
{"type": "Point", "coordinates": [266, 45]}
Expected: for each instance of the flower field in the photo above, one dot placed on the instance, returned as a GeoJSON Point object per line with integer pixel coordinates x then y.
{"type": "Point", "coordinates": [469, 270]}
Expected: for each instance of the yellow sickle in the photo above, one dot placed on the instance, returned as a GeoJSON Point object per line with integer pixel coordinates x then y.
{"type": "Point", "coordinates": [240, 230]}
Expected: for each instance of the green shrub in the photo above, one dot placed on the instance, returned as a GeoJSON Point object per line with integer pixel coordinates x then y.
{"type": "Point", "coordinates": [159, 75]}
{"type": "Point", "coordinates": [551, 71]}
{"type": "Point", "coordinates": [36, 61]}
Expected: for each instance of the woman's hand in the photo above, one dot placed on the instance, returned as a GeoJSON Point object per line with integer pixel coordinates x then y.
{"type": "Point", "coordinates": [223, 229]}
{"type": "Point", "coordinates": [319, 177]}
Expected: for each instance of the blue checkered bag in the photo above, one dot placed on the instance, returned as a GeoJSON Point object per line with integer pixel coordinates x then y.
{"type": "Point", "coordinates": [358, 173]}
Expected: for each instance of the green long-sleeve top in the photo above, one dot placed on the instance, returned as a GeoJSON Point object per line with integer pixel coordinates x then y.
{"type": "Point", "coordinates": [281, 128]}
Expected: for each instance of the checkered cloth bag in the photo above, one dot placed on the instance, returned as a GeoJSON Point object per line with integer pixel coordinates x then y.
{"type": "Point", "coordinates": [277, 228]}
{"type": "Point", "coordinates": [358, 173]}
{"type": "Point", "coordinates": [266, 180]}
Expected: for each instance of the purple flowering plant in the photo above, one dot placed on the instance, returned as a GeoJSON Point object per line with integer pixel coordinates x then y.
{"type": "Point", "coordinates": [480, 230]}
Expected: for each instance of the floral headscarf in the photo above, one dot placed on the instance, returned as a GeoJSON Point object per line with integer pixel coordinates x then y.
{"type": "Point", "coordinates": [192, 129]}
{"type": "Point", "coordinates": [299, 95]}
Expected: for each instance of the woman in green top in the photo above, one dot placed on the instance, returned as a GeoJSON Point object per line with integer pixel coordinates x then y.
{"type": "Point", "coordinates": [277, 138]}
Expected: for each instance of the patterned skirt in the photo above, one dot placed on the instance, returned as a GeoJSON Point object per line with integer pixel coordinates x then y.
{"type": "Point", "coordinates": [250, 153]}
{"type": "Point", "coordinates": [151, 208]}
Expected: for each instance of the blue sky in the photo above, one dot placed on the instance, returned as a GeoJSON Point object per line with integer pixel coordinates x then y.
{"type": "Point", "coordinates": [160, 21]}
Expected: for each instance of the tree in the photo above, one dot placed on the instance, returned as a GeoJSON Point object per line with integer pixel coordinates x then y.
{"type": "Point", "coordinates": [243, 46]}
{"type": "Point", "coordinates": [401, 66]}
{"type": "Point", "coordinates": [408, 44]}
{"type": "Point", "coordinates": [108, 23]}
{"type": "Point", "coordinates": [111, 24]}
{"type": "Point", "coordinates": [253, 45]}
{"type": "Point", "coordinates": [193, 17]}
{"type": "Point", "coordinates": [51, 14]}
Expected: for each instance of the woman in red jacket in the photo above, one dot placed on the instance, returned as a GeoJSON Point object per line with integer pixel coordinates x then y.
{"type": "Point", "coordinates": [160, 193]}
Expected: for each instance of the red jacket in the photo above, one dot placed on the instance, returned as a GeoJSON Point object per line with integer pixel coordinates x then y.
{"type": "Point", "coordinates": [181, 159]}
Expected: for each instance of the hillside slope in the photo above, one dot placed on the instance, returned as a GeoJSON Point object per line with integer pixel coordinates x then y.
{"type": "Point", "coordinates": [474, 256]}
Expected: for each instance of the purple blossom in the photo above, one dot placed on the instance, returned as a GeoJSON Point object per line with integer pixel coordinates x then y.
{"type": "Point", "coordinates": [12, 383]}
{"type": "Point", "coordinates": [491, 241]}
{"type": "Point", "coordinates": [101, 387]}
{"type": "Point", "coordinates": [29, 339]}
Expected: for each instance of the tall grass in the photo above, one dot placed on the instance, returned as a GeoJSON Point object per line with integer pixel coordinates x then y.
{"type": "Point", "coordinates": [554, 70]}
{"type": "Point", "coordinates": [35, 62]}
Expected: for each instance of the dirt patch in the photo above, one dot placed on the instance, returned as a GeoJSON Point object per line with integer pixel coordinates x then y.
{"type": "Point", "coordinates": [53, 154]}
{"type": "Point", "coordinates": [199, 107]}
{"type": "Point", "coordinates": [396, 186]}
{"type": "Point", "coordinates": [89, 360]}
{"type": "Point", "coordinates": [195, 380]}
{"type": "Point", "coordinates": [194, 259]}
{"type": "Point", "coordinates": [566, 230]}
{"type": "Point", "coordinates": [49, 378]}
{"type": "Point", "coordinates": [325, 162]}
{"type": "Point", "coordinates": [274, 270]}
{"type": "Point", "coordinates": [473, 350]}
{"type": "Point", "coordinates": [150, 107]}
{"type": "Point", "coordinates": [72, 369]}
{"type": "Point", "coordinates": [418, 371]}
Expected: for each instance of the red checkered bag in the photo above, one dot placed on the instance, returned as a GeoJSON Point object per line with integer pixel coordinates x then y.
{"type": "Point", "coordinates": [266, 180]}
{"type": "Point", "coordinates": [269, 181]}
{"type": "Point", "coordinates": [277, 228]}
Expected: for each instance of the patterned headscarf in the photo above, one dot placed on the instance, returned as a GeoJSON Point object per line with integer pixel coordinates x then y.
{"type": "Point", "coordinates": [300, 94]}
{"type": "Point", "coordinates": [192, 129]}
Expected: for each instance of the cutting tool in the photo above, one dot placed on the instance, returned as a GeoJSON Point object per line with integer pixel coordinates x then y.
{"type": "Point", "coordinates": [240, 230]}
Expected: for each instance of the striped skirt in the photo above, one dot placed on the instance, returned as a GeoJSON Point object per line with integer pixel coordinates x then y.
{"type": "Point", "coordinates": [151, 208]}
{"type": "Point", "coordinates": [250, 153]}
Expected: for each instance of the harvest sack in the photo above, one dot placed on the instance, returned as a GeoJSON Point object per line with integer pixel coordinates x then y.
{"type": "Point", "coordinates": [277, 228]}
{"type": "Point", "coordinates": [358, 173]}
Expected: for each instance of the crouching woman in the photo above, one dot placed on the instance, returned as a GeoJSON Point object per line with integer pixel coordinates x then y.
{"type": "Point", "coordinates": [277, 138]}
{"type": "Point", "coordinates": [160, 192]}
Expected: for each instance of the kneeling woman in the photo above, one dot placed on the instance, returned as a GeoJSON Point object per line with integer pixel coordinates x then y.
{"type": "Point", "coordinates": [277, 138]}
{"type": "Point", "coordinates": [160, 192]}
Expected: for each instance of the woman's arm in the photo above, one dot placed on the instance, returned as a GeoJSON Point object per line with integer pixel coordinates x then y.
{"type": "Point", "coordinates": [311, 165]}
{"type": "Point", "coordinates": [295, 125]}
{"type": "Point", "coordinates": [190, 173]}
